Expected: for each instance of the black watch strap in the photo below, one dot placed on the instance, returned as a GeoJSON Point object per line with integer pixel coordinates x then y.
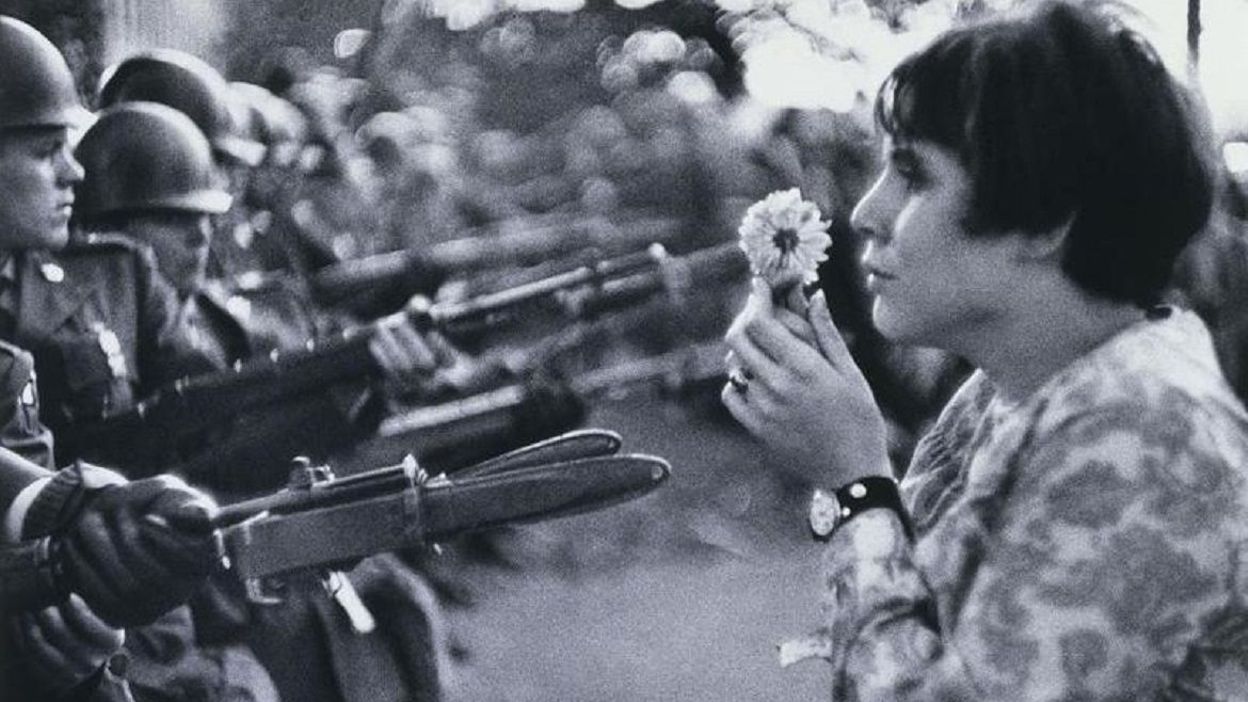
{"type": "Point", "coordinates": [874, 492]}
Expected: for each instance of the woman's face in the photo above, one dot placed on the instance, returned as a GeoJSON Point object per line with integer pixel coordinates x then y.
{"type": "Point", "coordinates": [932, 283]}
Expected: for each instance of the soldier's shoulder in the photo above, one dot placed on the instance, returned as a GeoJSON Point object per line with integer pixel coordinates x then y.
{"type": "Point", "coordinates": [101, 242]}
{"type": "Point", "coordinates": [100, 251]}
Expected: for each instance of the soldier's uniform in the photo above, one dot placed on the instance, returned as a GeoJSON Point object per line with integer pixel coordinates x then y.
{"type": "Point", "coordinates": [252, 320]}
{"type": "Point", "coordinates": [104, 328]}
{"type": "Point", "coordinates": [20, 428]}
{"type": "Point", "coordinates": [62, 307]}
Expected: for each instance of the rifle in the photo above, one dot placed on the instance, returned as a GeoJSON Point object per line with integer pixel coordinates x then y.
{"type": "Point", "coordinates": [454, 433]}
{"type": "Point", "coordinates": [190, 405]}
{"type": "Point", "coordinates": [407, 272]}
{"type": "Point", "coordinates": [320, 522]}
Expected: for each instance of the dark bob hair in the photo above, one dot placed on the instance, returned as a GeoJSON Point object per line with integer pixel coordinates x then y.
{"type": "Point", "coordinates": [1063, 115]}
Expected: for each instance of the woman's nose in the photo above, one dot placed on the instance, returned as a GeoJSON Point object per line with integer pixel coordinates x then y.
{"type": "Point", "coordinates": [867, 218]}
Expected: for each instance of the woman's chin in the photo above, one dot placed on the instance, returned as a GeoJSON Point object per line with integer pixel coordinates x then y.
{"type": "Point", "coordinates": [891, 325]}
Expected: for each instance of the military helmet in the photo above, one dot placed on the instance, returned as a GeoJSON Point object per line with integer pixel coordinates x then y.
{"type": "Point", "coordinates": [187, 84]}
{"type": "Point", "coordinates": [37, 88]}
{"type": "Point", "coordinates": [143, 156]}
{"type": "Point", "coordinates": [275, 122]}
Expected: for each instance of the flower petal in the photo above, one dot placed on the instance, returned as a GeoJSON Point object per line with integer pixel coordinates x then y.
{"type": "Point", "coordinates": [776, 258]}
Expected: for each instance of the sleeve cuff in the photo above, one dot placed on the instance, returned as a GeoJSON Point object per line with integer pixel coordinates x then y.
{"type": "Point", "coordinates": [867, 571]}
{"type": "Point", "coordinates": [15, 517]}
{"type": "Point", "coordinates": [875, 535]}
{"type": "Point", "coordinates": [57, 503]}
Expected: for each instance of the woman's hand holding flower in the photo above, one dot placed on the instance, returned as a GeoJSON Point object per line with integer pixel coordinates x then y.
{"type": "Point", "coordinates": [806, 399]}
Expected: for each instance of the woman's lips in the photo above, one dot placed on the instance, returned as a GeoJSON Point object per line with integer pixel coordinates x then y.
{"type": "Point", "coordinates": [877, 278]}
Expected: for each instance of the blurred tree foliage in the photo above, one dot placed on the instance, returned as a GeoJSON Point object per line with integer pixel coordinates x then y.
{"type": "Point", "coordinates": [537, 66]}
{"type": "Point", "coordinates": [261, 32]}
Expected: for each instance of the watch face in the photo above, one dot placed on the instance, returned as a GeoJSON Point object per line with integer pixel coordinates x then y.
{"type": "Point", "coordinates": [824, 512]}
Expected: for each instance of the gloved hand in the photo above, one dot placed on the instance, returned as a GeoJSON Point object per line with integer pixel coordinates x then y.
{"type": "Point", "coordinates": [403, 352]}
{"type": "Point", "coordinates": [61, 647]}
{"type": "Point", "coordinates": [139, 549]}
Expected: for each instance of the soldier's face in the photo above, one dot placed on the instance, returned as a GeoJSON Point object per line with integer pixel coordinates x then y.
{"type": "Point", "coordinates": [37, 177]}
{"type": "Point", "coordinates": [180, 241]}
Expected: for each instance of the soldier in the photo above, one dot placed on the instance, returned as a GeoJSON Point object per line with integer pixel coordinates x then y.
{"type": "Point", "coordinates": [93, 313]}
{"type": "Point", "coordinates": [96, 318]}
{"type": "Point", "coordinates": [109, 556]}
{"type": "Point", "coordinates": [148, 176]}
{"type": "Point", "coordinates": [189, 85]}
{"type": "Point", "coordinates": [58, 534]}
{"type": "Point", "coordinates": [149, 179]}
{"type": "Point", "coordinates": [274, 186]}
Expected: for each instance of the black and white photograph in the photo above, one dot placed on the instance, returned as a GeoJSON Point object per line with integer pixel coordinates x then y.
{"type": "Point", "coordinates": [623, 350]}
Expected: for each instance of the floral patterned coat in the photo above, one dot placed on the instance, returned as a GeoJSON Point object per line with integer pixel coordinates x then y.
{"type": "Point", "coordinates": [1087, 543]}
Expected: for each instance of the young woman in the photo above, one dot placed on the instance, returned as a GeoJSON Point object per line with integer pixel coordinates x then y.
{"type": "Point", "coordinates": [1075, 524]}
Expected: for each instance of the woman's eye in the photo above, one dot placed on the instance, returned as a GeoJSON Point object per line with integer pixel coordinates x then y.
{"type": "Point", "coordinates": [913, 178]}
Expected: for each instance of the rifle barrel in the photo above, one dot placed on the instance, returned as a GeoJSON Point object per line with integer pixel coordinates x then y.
{"type": "Point", "coordinates": [195, 403]}
{"type": "Point", "coordinates": [482, 307]}
{"type": "Point", "coordinates": [527, 244]}
{"type": "Point", "coordinates": [338, 490]}
{"type": "Point", "coordinates": [674, 369]}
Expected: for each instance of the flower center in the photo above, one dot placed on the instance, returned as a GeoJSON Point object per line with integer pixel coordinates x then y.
{"type": "Point", "coordinates": [785, 240]}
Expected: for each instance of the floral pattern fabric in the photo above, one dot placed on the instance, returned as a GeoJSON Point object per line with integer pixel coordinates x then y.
{"type": "Point", "coordinates": [1087, 543]}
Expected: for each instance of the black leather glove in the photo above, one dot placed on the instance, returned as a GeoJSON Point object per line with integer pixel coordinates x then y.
{"type": "Point", "coordinates": [137, 550]}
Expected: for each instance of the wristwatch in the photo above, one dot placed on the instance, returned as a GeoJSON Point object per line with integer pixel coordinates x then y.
{"type": "Point", "coordinates": [830, 510]}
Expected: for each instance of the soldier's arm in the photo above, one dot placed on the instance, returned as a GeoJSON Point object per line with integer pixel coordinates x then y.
{"type": "Point", "coordinates": [25, 444]}
{"type": "Point", "coordinates": [21, 431]}
{"type": "Point", "coordinates": [131, 550]}
{"type": "Point", "coordinates": [20, 482]}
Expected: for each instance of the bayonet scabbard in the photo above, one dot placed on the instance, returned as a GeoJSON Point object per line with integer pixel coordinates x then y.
{"type": "Point", "coordinates": [393, 509]}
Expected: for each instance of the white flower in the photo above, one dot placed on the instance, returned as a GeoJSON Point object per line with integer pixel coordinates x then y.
{"type": "Point", "coordinates": [784, 239]}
